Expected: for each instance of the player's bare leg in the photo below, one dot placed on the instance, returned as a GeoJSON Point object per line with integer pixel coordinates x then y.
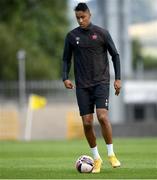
{"type": "Point", "coordinates": [91, 138]}
{"type": "Point", "coordinates": [88, 129]}
{"type": "Point", "coordinates": [106, 129]}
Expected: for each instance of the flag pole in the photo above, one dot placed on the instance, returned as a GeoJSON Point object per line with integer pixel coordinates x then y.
{"type": "Point", "coordinates": [35, 102]}
{"type": "Point", "coordinates": [29, 118]}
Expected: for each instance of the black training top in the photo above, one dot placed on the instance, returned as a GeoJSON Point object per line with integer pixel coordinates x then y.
{"type": "Point", "coordinates": [89, 48]}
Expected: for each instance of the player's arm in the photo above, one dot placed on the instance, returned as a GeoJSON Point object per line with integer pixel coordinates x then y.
{"type": "Point", "coordinates": [67, 55]}
{"type": "Point", "coordinates": [116, 62]}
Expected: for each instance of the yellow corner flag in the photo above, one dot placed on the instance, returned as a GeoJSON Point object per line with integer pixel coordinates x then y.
{"type": "Point", "coordinates": [37, 102]}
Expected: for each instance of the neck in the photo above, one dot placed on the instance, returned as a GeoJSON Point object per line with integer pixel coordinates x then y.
{"type": "Point", "coordinates": [88, 26]}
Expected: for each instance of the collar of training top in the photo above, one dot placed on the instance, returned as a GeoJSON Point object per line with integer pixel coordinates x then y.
{"type": "Point", "coordinates": [87, 28]}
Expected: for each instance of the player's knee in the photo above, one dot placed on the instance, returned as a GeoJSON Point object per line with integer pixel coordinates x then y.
{"type": "Point", "coordinates": [103, 118]}
{"type": "Point", "coordinates": [87, 122]}
{"type": "Point", "coordinates": [87, 119]}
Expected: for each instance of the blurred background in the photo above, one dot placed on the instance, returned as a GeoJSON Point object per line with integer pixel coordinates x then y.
{"type": "Point", "coordinates": [32, 36]}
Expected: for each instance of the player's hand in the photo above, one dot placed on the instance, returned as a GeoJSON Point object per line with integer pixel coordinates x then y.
{"type": "Point", "coordinates": [117, 86]}
{"type": "Point", "coordinates": [68, 84]}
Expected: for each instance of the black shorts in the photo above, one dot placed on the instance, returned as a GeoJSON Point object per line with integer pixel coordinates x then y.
{"type": "Point", "coordinates": [88, 98]}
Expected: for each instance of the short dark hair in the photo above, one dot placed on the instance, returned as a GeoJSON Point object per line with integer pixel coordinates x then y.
{"type": "Point", "coordinates": [81, 7]}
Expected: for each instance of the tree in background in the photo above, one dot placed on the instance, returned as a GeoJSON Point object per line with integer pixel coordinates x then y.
{"type": "Point", "coordinates": [149, 62]}
{"type": "Point", "coordinates": [136, 52]}
{"type": "Point", "coordinates": [39, 27]}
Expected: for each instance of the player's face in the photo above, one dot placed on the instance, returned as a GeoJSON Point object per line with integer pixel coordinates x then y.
{"type": "Point", "coordinates": [83, 18]}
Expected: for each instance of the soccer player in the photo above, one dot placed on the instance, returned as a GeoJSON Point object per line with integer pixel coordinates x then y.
{"type": "Point", "coordinates": [89, 45]}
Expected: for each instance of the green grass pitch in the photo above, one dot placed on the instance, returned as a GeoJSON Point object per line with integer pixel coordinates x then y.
{"type": "Point", "coordinates": [56, 159]}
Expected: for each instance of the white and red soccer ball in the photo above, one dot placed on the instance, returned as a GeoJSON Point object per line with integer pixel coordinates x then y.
{"type": "Point", "coordinates": [84, 164]}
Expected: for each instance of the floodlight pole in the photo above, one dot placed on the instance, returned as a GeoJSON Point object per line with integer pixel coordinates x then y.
{"type": "Point", "coordinates": [21, 56]}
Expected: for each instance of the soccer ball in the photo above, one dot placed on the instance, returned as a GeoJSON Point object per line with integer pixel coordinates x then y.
{"type": "Point", "coordinates": [84, 164]}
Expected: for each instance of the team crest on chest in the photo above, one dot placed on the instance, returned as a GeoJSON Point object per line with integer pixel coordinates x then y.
{"type": "Point", "coordinates": [94, 36]}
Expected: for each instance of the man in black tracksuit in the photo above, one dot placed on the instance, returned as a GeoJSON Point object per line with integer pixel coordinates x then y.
{"type": "Point", "coordinates": [89, 45]}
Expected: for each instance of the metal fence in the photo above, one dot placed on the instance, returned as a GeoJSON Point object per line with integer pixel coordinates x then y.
{"type": "Point", "coordinates": [53, 90]}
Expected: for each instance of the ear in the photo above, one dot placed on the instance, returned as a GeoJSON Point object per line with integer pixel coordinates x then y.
{"type": "Point", "coordinates": [89, 14]}
{"type": "Point", "coordinates": [88, 11]}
